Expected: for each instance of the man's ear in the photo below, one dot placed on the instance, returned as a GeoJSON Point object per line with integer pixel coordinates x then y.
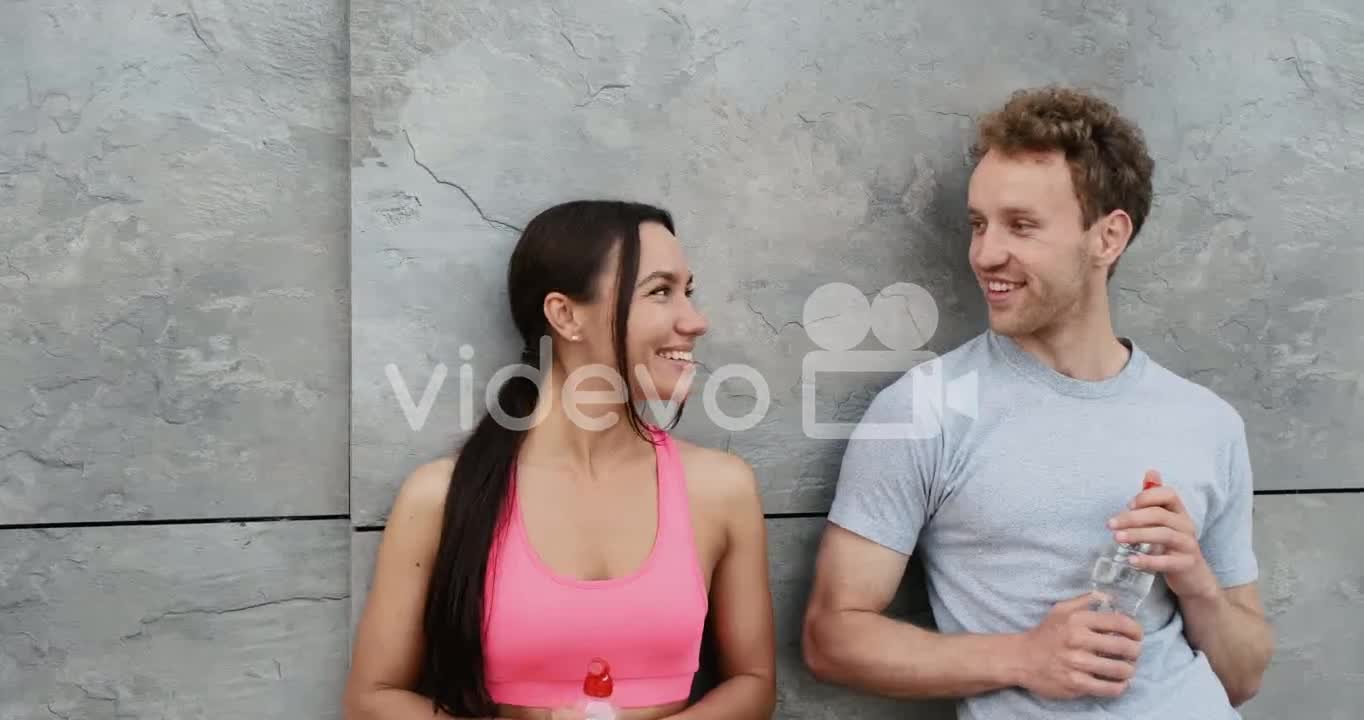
{"type": "Point", "coordinates": [1114, 231]}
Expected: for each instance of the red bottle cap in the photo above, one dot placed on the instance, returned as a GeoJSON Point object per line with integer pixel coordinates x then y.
{"type": "Point", "coordinates": [598, 681]}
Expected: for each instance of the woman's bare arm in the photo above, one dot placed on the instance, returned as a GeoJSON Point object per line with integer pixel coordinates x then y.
{"type": "Point", "coordinates": [740, 599]}
{"type": "Point", "coordinates": [386, 658]}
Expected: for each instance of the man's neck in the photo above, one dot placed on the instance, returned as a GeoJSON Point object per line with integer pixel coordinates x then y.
{"type": "Point", "coordinates": [1084, 347]}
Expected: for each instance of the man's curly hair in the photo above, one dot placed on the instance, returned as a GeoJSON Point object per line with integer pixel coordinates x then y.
{"type": "Point", "coordinates": [1110, 165]}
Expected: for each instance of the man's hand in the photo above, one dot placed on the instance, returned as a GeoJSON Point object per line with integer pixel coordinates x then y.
{"type": "Point", "coordinates": [1158, 516]}
{"type": "Point", "coordinates": [1078, 652]}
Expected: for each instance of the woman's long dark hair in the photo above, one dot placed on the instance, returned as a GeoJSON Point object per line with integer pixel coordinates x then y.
{"type": "Point", "coordinates": [563, 249]}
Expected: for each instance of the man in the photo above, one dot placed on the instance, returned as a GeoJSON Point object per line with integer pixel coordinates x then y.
{"type": "Point", "coordinates": [1009, 510]}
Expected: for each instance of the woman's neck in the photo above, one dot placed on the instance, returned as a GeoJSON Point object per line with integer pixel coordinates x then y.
{"type": "Point", "coordinates": [587, 435]}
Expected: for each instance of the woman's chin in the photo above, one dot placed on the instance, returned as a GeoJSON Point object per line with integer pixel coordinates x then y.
{"type": "Point", "coordinates": [683, 388]}
{"type": "Point", "coordinates": [670, 381]}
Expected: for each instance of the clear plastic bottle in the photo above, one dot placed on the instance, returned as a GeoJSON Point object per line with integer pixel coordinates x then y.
{"type": "Point", "coordinates": [596, 703]}
{"type": "Point", "coordinates": [1119, 586]}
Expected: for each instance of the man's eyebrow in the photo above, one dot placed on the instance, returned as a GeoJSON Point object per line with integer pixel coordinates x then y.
{"type": "Point", "coordinates": [1007, 210]}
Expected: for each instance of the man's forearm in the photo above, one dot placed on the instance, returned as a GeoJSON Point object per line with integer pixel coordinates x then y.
{"type": "Point", "coordinates": [874, 653]}
{"type": "Point", "coordinates": [1237, 641]}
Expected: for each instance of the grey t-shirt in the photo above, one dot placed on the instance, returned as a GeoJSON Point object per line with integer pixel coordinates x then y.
{"type": "Point", "coordinates": [1008, 509]}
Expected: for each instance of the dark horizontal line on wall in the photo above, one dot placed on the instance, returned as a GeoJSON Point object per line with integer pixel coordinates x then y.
{"type": "Point", "coordinates": [380, 528]}
{"type": "Point", "coordinates": [171, 521]}
{"type": "Point", "coordinates": [1317, 491]}
{"type": "Point", "coordinates": [802, 515]}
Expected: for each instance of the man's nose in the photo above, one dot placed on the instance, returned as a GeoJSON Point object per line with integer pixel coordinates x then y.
{"type": "Point", "coordinates": [988, 249]}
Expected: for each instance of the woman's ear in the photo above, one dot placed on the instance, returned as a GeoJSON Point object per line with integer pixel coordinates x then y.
{"type": "Point", "coordinates": [561, 317]}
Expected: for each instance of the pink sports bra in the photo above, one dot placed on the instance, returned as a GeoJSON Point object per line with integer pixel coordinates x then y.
{"type": "Point", "coordinates": [542, 629]}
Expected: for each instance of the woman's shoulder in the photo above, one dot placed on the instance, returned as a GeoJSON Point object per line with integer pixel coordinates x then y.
{"type": "Point", "coordinates": [421, 496]}
{"type": "Point", "coordinates": [717, 475]}
{"type": "Point", "coordinates": [412, 529]}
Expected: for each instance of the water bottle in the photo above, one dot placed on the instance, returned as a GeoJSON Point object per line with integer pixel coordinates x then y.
{"type": "Point", "coordinates": [1118, 586]}
{"type": "Point", "coordinates": [595, 703]}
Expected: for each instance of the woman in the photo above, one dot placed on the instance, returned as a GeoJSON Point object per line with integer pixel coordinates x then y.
{"type": "Point", "coordinates": [593, 534]}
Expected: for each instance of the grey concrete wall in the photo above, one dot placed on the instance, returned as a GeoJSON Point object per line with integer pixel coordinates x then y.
{"type": "Point", "coordinates": [195, 330]}
{"type": "Point", "coordinates": [1313, 583]}
{"type": "Point", "coordinates": [173, 273]}
{"type": "Point", "coordinates": [804, 143]}
{"type": "Point", "coordinates": [209, 621]}
{"type": "Point", "coordinates": [173, 327]}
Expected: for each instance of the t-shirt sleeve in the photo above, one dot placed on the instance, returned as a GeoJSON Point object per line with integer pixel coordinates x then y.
{"type": "Point", "coordinates": [1226, 542]}
{"type": "Point", "coordinates": [884, 481]}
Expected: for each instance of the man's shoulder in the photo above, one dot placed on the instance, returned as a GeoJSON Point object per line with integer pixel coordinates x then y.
{"type": "Point", "coordinates": [1186, 397]}
{"type": "Point", "coordinates": [940, 399]}
{"type": "Point", "coordinates": [971, 359]}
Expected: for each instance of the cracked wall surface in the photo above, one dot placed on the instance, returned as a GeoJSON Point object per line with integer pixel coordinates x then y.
{"type": "Point", "coordinates": [173, 269]}
{"type": "Point", "coordinates": [207, 621]}
{"type": "Point", "coordinates": [1312, 584]}
{"type": "Point", "coordinates": [173, 324]}
{"type": "Point", "coordinates": [193, 326]}
{"type": "Point", "coordinates": [803, 143]}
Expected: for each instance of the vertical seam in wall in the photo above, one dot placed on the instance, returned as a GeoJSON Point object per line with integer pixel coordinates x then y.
{"type": "Point", "coordinates": [349, 244]}
{"type": "Point", "coordinates": [349, 313]}
{"type": "Point", "coordinates": [348, 250]}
